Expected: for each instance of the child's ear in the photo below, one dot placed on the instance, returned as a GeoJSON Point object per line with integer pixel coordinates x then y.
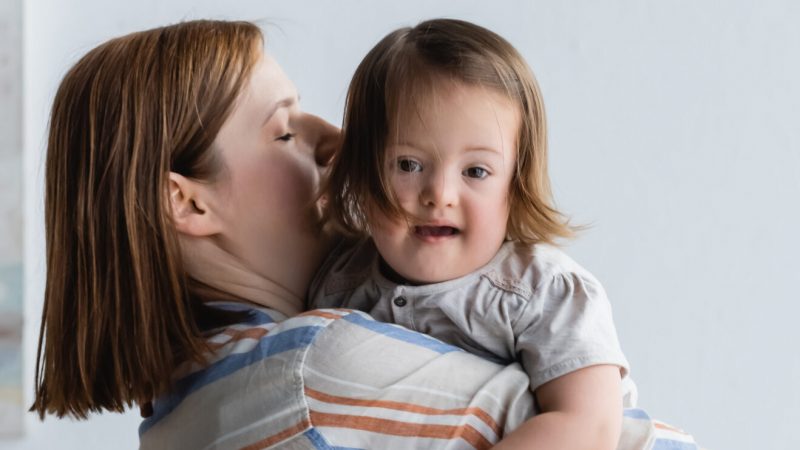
{"type": "Point", "coordinates": [191, 208]}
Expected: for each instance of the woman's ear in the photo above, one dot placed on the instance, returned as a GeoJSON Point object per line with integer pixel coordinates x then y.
{"type": "Point", "coordinates": [191, 209]}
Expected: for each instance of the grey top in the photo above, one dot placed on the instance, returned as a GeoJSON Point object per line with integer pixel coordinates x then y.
{"type": "Point", "coordinates": [530, 303]}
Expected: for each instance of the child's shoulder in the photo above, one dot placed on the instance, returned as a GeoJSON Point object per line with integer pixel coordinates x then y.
{"type": "Point", "coordinates": [348, 263]}
{"type": "Point", "coordinates": [516, 258]}
{"type": "Point", "coordinates": [353, 254]}
{"type": "Point", "coordinates": [526, 268]}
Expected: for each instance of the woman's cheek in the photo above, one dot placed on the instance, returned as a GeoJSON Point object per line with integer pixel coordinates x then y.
{"type": "Point", "coordinates": [294, 184]}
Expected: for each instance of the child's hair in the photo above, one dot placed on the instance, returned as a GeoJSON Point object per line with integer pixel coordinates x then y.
{"type": "Point", "coordinates": [406, 66]}
{"type": "Point", "coordinates": [120, 312]}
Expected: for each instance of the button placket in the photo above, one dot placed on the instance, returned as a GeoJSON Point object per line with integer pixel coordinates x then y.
{"type": "Point", "coordinates": [401, 308]}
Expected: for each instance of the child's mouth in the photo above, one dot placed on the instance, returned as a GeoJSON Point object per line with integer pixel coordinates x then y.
{"type": "Point", "coordinates": [427, 231]}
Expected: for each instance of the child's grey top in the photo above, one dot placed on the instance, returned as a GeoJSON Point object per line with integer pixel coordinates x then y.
{"type": "Point", "coordinates": [531, 303]}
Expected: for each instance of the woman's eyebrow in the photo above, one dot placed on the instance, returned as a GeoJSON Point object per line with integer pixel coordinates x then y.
{"type": "Point", "coordinates": [285, 103]}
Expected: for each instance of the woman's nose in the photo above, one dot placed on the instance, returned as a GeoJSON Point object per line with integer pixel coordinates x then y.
{"type": "Point", "coordinates": [327, 139]}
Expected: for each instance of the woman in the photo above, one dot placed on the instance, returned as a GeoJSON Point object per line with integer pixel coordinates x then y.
{"type": "Point", "coordinates": [182, 230]}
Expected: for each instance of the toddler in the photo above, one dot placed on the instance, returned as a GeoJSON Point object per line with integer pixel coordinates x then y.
{"type": "Point", "coordinates": [442, 181]}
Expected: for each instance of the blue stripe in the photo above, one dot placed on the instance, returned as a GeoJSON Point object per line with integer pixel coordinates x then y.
{"type": "Point", "coordinates": [401, 334]}
{"type": "Point", "coordinates": [320, 443]}
{"type": "Point", "coordinates": [636, 413]}
{"type": "Point", "coordinates": [268, 346]}
{"type": "Point", "coordinates": [669, 444]}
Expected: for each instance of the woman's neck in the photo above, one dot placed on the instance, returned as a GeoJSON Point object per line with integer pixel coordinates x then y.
{"type": "Point", "coordinates": [218, 268]}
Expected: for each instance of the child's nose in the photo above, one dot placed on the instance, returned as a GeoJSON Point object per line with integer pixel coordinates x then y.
{"type": "Point", "coordinates": [440, 190]}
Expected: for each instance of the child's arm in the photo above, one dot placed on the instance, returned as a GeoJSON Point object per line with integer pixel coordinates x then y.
{"type": "Point", "coordinates": [580, 410]}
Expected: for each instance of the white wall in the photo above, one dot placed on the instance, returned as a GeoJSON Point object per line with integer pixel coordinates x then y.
{"type": "Point", "coordinates": [674, 131]}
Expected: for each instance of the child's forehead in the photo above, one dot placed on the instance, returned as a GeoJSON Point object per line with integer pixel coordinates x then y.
{"type": "Point", "coordinates": [439, 95]}
{"type": "Point", "coordinates": [461, 120]}
{"type": "Point", "coordinates": [424, 103]}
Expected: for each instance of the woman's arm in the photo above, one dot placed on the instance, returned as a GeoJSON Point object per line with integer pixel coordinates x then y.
{"type": "Point", "coordinates": [339, 377]}
{"type": "Point", "coordinates": [580, 410]}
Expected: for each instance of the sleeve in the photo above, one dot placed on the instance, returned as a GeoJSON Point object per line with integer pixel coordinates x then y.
{"type": "Point", "coordinates": [371, 384]}
{"type": "Point", "coordinates": [566, 326]}
{"type": "Point", "coordinates": [330, 271]}
{"type": "Point", "coordinates": [343, 279]}
{"type": "Point", "coordinates": [316, 292]}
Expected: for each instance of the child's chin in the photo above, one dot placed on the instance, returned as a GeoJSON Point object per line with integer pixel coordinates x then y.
{"type": "Point", "coordinates": [436, 276]}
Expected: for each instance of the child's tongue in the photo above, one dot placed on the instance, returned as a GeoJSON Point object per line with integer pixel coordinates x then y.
{"type": "Point", "coordinates": [435, 231]}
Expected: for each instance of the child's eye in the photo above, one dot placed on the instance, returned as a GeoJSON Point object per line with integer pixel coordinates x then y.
{"type": "Point", "coordinates": [409, 165]}
{"type": "Point", "coordinates": [476, 172]}
{"type": "Point", "coordinates": [286, 137]}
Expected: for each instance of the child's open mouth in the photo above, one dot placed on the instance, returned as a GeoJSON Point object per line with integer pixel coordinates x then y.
{"type": "Point", "coordinates": [427, 231]}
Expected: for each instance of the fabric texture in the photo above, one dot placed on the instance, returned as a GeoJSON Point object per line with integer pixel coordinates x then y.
{"type": "Point", "coordinates": [531, 304]}
{"type": "Point", "coordinates": [336, 380]}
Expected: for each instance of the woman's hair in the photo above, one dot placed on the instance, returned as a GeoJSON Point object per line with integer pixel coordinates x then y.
{"type": "Point", "coordinates": [404, 69]}
{"type": "Point", "coordinates": [120, 312]}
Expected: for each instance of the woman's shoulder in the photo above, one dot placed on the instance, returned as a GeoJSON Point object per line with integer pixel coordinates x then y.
{"type": "Point", "coordinates": [269, 332]}
{"type": "Point", "coordinates": [253, 370]}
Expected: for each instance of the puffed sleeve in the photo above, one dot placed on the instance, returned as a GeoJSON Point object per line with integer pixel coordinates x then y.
{"type": "Point", "coordinates": [567, 325]}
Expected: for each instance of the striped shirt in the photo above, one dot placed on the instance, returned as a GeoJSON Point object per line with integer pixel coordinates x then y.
{"type": "Point", "coordinates": [338, 380]}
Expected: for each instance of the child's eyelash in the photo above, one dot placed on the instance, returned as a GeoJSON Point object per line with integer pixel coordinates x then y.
{"type": "Point", "coordinates": [477, 172]}
{"type": "Point", "coordinates": [409, 165]}
{"type": "Point", "coordinates": [286, 137]}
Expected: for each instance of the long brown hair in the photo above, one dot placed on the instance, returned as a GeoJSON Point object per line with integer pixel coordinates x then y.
{"type": "Point", "coordinates": [407, 65]}
{"type": "Point", "coordinates": [119, 310]}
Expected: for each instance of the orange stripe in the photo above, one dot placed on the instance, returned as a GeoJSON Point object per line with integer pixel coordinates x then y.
{"type": "Point", "coordinates": [397, 428]}
{"type": "Point", "coordinates": [664, 426]}
{"type": "Point", "coordinates": [409, 407]}
{"type": "Point", "coordinates": [291, 431]}
{"type": "Point", "coordinates": [320, 314]}
{"type": "Point", "coordinates": [253, 333]}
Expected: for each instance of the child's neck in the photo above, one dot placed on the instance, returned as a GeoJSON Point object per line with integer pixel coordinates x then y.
{"type": "Point", "coordinates": [387, 271]}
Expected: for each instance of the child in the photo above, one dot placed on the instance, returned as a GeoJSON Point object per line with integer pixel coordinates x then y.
{"type": "Point", "coordinates": [444, 168]}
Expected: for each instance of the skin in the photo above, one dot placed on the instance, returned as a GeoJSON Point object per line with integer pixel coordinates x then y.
{"type": "Point", "coordinates": [580, 410]}
{"type": "Point", "coordinates": [254, 231]}
{"type": "Point", "coordinates": [451, 167]}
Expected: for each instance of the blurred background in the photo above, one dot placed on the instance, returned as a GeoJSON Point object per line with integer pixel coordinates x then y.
{"type": "Point", "coordinates": [674, 132]}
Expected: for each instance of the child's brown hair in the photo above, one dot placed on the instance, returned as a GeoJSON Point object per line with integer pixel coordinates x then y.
{"type": "Point", "coordinates": [405, 66]}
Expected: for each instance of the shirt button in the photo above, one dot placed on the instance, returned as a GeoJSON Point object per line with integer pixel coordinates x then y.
{"type": "Point", "coordinates": [400, 301]}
